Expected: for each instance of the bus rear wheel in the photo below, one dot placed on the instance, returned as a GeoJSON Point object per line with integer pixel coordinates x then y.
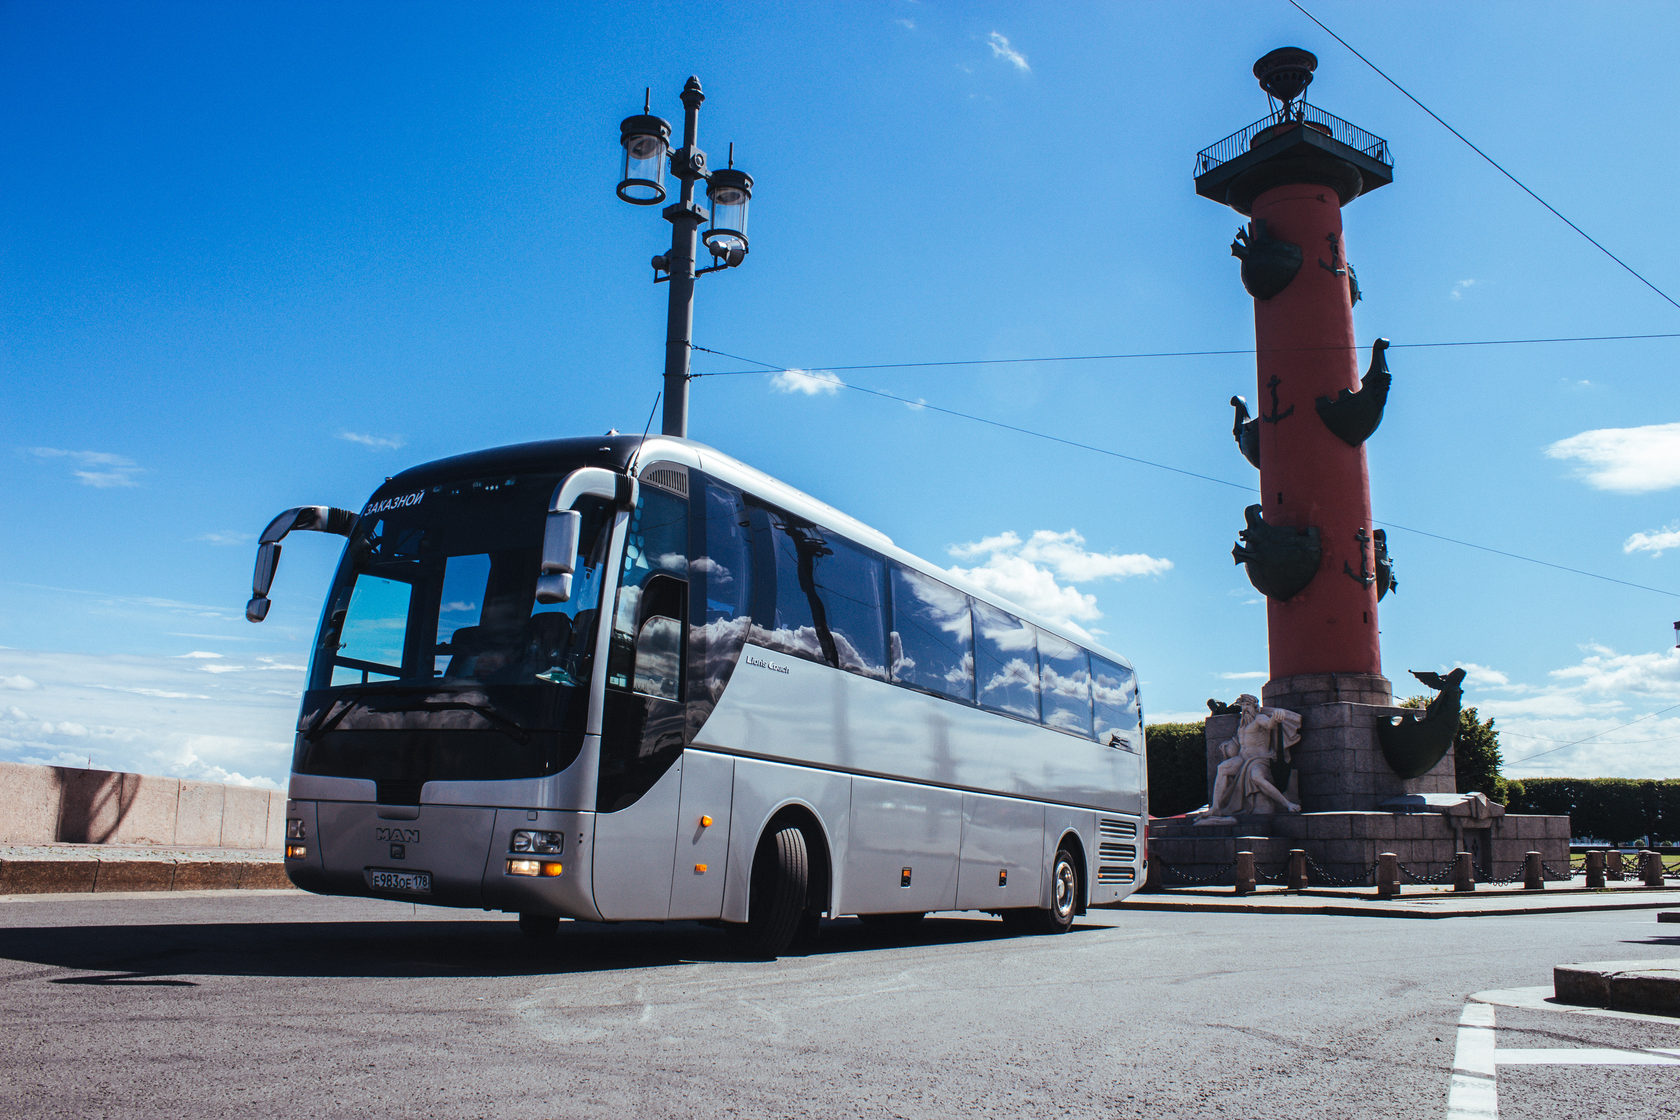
{"type": "Point", "coordinates": [1064, 901]}
{"type": "Point", "coordinates": [781, 877]}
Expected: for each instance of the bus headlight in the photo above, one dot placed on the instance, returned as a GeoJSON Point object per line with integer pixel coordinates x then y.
{"type": "Point", "coordinates": [294, 828]}
{"type": "Point", "coordinates": [544, 868]}
{"type": "Point", "coordinates": [539, 843]}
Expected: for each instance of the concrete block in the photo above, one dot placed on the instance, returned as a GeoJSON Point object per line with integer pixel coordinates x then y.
{"type": "Point", "coordinates": [135, 875]}
{"type": "Point", "coordinates": [1649, 987]}
{"type": "Point", "coordinates": [244, 817]}
{"type": "Point", "coordinates": [47, 876]}
{"type": "Point", "coordinates": [149, 816]}
{"type": "Point", "coordinates": [1327, 826]}
{"type": "Point", "coordinates": [276, 838]}
{"type": "Point", "coordinates": [198, 818]}
{"type": "Point", "coordinates": [29, 803]}
{"type": "Point", "coordinates": [207, 875]}
{"type": "Point", "coordinates": [104, 807]}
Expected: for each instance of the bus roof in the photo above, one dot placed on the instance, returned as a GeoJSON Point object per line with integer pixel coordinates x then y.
{"type": "Point", "coordinates": [629, 453]}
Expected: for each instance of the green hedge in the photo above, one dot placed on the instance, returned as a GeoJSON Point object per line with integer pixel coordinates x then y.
{"type": "Point", "coordinates": [1618, 810]}
{"type": "Point", "coordinates": [1177, 768]}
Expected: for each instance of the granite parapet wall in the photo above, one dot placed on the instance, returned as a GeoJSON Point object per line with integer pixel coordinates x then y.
{"type": "Point", "coordinates": [62, 805]}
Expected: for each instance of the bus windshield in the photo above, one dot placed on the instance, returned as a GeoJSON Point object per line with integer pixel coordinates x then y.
{"type": "Point", "coordinates": [438, 587]}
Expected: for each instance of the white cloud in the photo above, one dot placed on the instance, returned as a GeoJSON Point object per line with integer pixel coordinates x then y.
{"type": "Point", "coordinates": [378, 443]}
{"type": "Point", "coordinates": [1461, 287]}
{"type": "Point", "coordinates": [1038, 572]}
{"type": "Point", "coordinates": [1603, 717]}
{"type": "Point", "coordinates": [18, 683]}
{"type": "Point", "coordinates": [1655, 543]}
{"type": "Point", "coordinates": [151, 716]}
{"type": "Point", "coordinates": [226, 537]}
{"type": "Point", "coordinates": [1245, 676]}
{"type": "Point", "coordinates": [99, 469]}
{"type": "Point", "coordinates": [1626, 460]}
{"type": "Point", "coordinates": [1001, 49]}
{"type": "Point", "coordinates": [812, 383]}
{"type": "Point", "coordinates": [200, 655]}
{"type": "Point", "coordinates": [907, 24]}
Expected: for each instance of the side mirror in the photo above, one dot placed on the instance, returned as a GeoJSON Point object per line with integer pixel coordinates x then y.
{"type": "Point", "coordinates": [559, 555]}
{"type": "Point", "coordinates": [268, 559]}
{"type": "Point", "coordinates": [315, 519]}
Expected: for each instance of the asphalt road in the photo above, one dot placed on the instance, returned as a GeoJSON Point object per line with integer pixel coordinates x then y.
{"type": "Point", "coordinates": [279, 1004]}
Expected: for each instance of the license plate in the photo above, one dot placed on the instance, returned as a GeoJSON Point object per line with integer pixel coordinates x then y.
{"type": "Point", "coordinates": [407, 882]}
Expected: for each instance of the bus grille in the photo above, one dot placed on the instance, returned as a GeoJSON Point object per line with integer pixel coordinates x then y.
{"type": "Point", "coordinates": [1116, 851]}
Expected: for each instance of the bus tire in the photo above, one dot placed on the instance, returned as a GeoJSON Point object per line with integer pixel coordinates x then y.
{"type": "Point", "coordinates": [1064, 900]}
{"type": "Point", "coordinates": [538, 927]}
{"type": "Point", "coordinates": [780, 878]}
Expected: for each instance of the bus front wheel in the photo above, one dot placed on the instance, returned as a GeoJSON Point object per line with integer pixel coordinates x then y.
{"type": "Point", "coordinates": [781, 875]}
{"type": "Point", "coordinates": [1064, 900]}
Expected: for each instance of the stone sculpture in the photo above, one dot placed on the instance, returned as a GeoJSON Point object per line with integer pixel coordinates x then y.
{"type": "Point", "coordinates": [1256, 763]}
{"type": "Point", "coordinates": [1352, 416]}
{"type": "Point", "coordinates": [1280, 560]}
{"type": "Point", "coordinates": [1412, 745]}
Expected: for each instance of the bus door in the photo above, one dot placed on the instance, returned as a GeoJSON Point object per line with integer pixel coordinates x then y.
{"type": "Point", "coordinates": [643, 717]}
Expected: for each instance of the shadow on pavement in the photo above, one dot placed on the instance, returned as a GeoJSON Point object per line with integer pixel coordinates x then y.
{"type": "Point", "coordinates": [159, 955]}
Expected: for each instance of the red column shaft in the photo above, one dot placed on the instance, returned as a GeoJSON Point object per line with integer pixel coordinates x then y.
{"type": "Point", "coordinates": [1304, 338]}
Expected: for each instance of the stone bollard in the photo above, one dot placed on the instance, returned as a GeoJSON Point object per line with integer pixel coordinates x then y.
{"type": "Point", "coordinates": [1464, 873]}
{"type": "Point", "coordinates": [1614, 870]}
{"type": "Point", "coordinates": [1595, 871]}
{"type": "Point", "coordinates": [1245, 872]}
{"type": "Point", "coordinates": [1388, 875]}
{"type": "Point", "coordinates": [1533, 880]}
{"type": "Point", "coordinates": [1297, 869]}
{"type": "Point", "coordinates": [1653, 869]}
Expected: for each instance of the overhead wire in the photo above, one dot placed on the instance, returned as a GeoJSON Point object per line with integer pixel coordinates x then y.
{"type": "Point", "coordinates": [1157, 354]}
{"type": "Point", "coordinates": [1590, 738]}
{"type": "Point", "coordinates": [1495, 164]}
{"type": "Point", "coordinates": [770, 368]}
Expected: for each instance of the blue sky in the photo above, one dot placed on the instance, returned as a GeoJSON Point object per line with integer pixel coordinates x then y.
{"type": "Point", "coordinates": [260, 255]}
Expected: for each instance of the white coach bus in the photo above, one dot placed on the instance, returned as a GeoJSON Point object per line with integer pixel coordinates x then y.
{"type": "Point", "coordinates": [625, 679]}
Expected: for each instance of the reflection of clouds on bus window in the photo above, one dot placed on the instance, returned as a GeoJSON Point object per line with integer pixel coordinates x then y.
{"type": "Point", "coordinates": [716, 574]}
{"type": "Point", "coordinates": [932, 637]}
{"type": "Point", "coordinates": [1114, 692]}
{"type": "Point", "coordinates": [803, 641]}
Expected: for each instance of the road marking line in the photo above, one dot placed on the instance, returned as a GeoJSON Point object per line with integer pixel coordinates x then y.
{"type": "Point", "coordinates": [1474, 1092]}
{"type": "Point", "coordinates": [1587, 1056]}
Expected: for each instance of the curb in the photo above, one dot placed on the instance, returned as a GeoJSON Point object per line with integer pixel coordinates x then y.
{"type": "Point", "coordinates": [1651, 987]}
{"type": "Point", "coordinates": [98, 876]}
{"type": "Point", "coordinates": [1421, 907]}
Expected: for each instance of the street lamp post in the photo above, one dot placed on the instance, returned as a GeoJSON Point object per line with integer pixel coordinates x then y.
{"type": "Point", "coordinates": [646, 140]}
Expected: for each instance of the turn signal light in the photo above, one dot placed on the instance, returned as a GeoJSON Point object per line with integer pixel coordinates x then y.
{"type": "Point", "coordinates": [296, 851]}
{"type": "Point", "coordinates": [535, 867]}
{"type": "Point", "coordinates": [705, 822]}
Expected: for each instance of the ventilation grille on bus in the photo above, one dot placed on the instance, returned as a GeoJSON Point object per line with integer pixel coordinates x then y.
{"type": "Point", "coordinates": [667, 478]}
{"type": "Point", "coordinates": [1115, 851]}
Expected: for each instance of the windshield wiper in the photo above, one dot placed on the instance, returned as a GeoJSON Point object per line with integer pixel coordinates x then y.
{"type": "Point", "coordinates": [504, 722]}
{"type": "Point", "coordinates": [328, 719]}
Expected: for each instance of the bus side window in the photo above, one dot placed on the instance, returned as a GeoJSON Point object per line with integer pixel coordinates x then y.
{"type": "Point", "coordinates": [652, 585]}
{"type": "Point", "coordinates": [1114, 691]}
{"type": "Point", "coordinates": [1006, 662]}
{"type": "Point", "coordinates": [1064, 671]}
{"type": "Point", "coordinates": [932, 640]}
{"type": "Point", "coordinates": [829, 600]}
{"type": "Point", "coordinates": [723, 587]}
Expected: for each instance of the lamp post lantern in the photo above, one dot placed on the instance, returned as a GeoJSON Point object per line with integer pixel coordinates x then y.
{"type": "Point", "coordinates": [646, 142]}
